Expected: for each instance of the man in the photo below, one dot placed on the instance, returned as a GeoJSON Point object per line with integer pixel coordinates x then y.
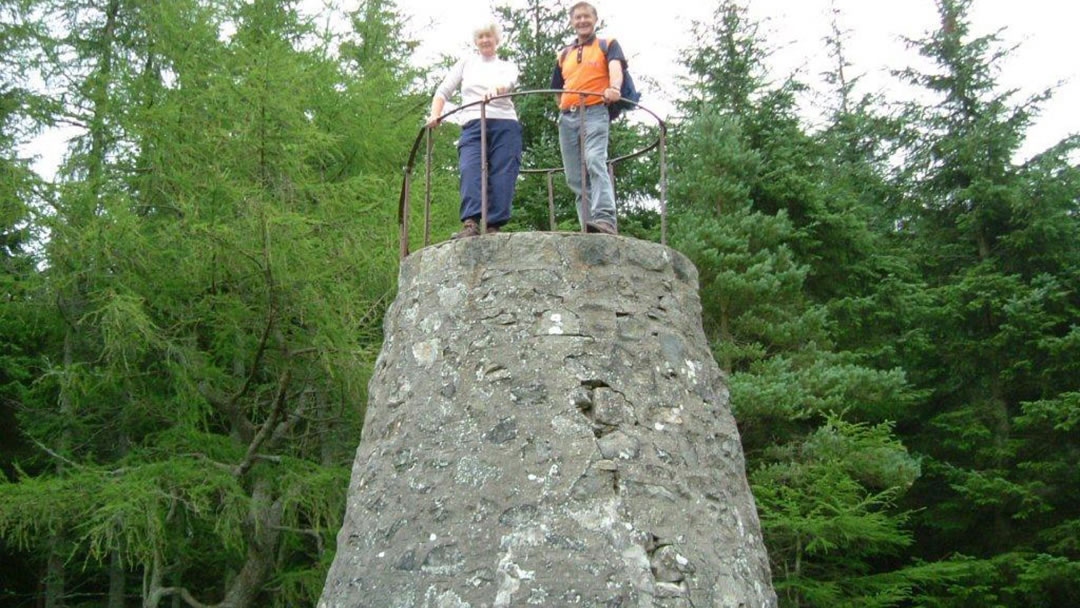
{"type": "Point", "coordinates": [583, 66]}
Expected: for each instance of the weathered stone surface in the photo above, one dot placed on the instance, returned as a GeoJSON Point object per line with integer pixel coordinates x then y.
{"type": "Point", "coordinates": [547, 427]}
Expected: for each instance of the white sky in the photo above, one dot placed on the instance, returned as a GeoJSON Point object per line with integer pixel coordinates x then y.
{"type": "Point", "coordinates": [653, 34]}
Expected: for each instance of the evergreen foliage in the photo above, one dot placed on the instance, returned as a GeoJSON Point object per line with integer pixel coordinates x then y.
{"type": "Point", "coordinates": [22, 197]}
{"type": "Point", "coordinates": [219, 257]}
{"type": "Point", "coordinates": [1002, 311]}
{"type": "Point", "coordinates": [192, 307]}
{"type": "Point", "coordinates": [779, 242]}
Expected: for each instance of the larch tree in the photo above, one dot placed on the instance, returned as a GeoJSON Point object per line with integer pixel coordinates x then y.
{"type": "Point", "coordinates": [23, 112]}
{"type": "Point", "coordinates": [218, 262]}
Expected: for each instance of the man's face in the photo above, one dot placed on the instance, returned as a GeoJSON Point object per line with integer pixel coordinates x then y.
{"type": "Point", "coordinates": [583, 21]}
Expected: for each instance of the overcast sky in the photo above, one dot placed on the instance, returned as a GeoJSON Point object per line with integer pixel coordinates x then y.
{"type": "Point", "coordinates": [653, 33]}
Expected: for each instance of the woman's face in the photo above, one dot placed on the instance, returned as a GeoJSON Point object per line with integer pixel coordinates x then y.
{"type": "Point", "coordinates": [486, 42]}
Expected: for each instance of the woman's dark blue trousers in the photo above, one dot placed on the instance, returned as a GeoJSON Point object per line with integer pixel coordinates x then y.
{"type": "Point", "coordinates": [504, 162]}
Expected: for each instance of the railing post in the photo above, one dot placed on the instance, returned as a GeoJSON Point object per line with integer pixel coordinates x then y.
{"type": "Point", "coordinates": [427, 190]}
{"type": "Point", "coordinates": [404, 240]}
{"type": "Point", "coordinates": [551, 201]}
{"type": "Point", "coordinates": [614, 196]}
{"type": "Point", "coordinates": [585, 200]}
{"type": "Point", "coordinates": [483, 168]}
{"type": "Point", "coordinates": [663, 184]}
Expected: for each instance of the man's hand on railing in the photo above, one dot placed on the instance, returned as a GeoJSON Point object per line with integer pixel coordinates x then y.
{"type": "Point", "coordinates": [432, 121]}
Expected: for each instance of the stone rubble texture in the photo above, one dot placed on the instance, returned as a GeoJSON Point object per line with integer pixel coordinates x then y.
{"type": "Point", "coordinates": [547, 427]}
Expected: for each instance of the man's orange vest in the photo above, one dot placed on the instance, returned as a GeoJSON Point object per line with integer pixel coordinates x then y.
{"type": "Point", "coordinates": [584, 68]}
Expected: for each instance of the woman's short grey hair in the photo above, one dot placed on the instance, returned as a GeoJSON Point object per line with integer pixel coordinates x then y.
{"type": "Point", "coordinates": [488, 27]}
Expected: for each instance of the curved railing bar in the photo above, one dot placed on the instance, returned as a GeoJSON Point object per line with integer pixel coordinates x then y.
{"type": "Point", "coordinates": [425, 135]}
{"type": "Point", "coordinates": [618, 159]}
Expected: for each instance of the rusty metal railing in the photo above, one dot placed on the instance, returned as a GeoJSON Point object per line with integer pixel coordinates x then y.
{"type": "Point", "coordinates": [425, 135]}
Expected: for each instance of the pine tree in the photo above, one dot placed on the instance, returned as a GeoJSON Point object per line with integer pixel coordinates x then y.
{"type": "Point", "coordinates": [726, 68]}
{"type": "Point", "coordinates": [778, 240]}
{"type": "Point", "coordinates": [997, 244]}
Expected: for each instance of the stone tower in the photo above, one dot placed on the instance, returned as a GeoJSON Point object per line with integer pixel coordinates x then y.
{"type": "Point", "coordinates": [547, 427]}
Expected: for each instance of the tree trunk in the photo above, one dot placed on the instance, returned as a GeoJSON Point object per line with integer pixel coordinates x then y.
{"type": "Point", "coordinates": [327, 428]}
{"type": "Point", "coordinates": [54, 575]}
{"type": "Point", "coordinates": [725, 336]}
{"type": "Point", "coordinates": [117, 581]}
{"type": "Point", "coordinates": [1002, 430]}
{"type": "Point", "coordinates": [797, 595]}
{"type": "Point", "coordinates": [100, 99]}
{"type": "Point", "coordinates": [265, 522]}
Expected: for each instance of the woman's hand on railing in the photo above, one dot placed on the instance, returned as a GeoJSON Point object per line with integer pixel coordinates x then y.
{"type": "Point", "coordinates": [495, 92]}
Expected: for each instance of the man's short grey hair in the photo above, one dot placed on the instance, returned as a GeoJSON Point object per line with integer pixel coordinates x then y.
{"type": "Point", "coordinates": [578, 5]}
{"type": "Point", "coordinates": [488, 26]}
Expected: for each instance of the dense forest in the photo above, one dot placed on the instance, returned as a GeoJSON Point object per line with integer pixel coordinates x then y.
{"type": "Point", "coordinates": [192, 304]}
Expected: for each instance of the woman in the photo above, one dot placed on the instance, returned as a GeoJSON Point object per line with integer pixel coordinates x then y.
{"type": "Point", "coordinates": [482, 76]}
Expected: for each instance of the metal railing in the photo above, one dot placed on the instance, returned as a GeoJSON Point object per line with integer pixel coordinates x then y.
{"type": "Point", "coordinates": [425, 135]}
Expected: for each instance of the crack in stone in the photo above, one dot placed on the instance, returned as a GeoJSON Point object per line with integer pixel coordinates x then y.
{"type": "Point", "coordinates": [586, 404]}
{"type": "Point", "coordinates": [623, 395]}
{"type": "Point", "coordinates": [502, 317]}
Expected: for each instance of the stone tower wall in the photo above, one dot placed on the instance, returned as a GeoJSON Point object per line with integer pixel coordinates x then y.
{"type": "Point", "coordinates": [547, 427]}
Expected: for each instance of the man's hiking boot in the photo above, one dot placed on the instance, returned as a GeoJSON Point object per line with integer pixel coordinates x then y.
{"type": "Point", "coordinates": [468, 228]}
{"type": "Point", "coordinates": [602, 227]}
{"type": "Point", "coordinates": [492, 230]}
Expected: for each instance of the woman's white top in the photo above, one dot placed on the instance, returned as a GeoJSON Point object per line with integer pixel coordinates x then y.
{"type": "Point", "coordinates": [477, 76]}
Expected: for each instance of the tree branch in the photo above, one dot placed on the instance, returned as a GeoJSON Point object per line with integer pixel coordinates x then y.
{"type": "Point", "coordinates": [374, 307]}
{"type": "Point", "coordinates": [186, 596]}
{"type": "Point", "coordinates": [268, 426]}
{"type": "Point", "coordinates": [289, 422]}
{"type": "Point", "coordinates": [271, 313]}
{"type": "Point", "coordinates": [308, 531]}
{"type": "Point", "coordinates": [58, 456]}
{"type": "Point", "coordinates": [225, 467]}
{"type": "Point", "coordinates": [259, 352]}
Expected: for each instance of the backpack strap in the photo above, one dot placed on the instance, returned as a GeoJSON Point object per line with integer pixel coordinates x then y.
{"type": "Point", "coordinates": [603, 42]}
